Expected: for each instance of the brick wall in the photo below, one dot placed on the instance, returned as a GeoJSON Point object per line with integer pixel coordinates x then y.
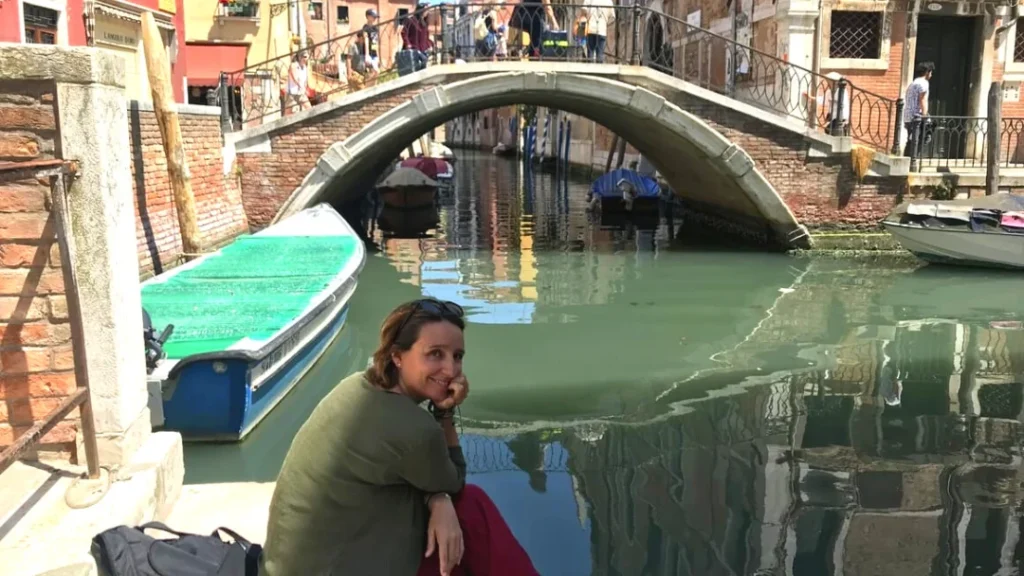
{"type": "Point", "coordinates": [36, 365]}
{"type": "Point", "coordinates": [822, 193]}
{"type": "Point", "coordinates": [218, 197]}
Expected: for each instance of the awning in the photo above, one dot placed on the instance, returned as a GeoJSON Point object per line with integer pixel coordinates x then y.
{"type": "Point", "coordinates": [207, 61]}
{"type": "Point", "coordinates": [163, 21]}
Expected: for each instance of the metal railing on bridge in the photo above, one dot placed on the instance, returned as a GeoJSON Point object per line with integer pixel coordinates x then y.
{"type": "Point", "coordinates": [560, 32]}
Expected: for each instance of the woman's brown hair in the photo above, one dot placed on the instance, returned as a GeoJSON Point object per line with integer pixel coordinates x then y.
{"type": "Point", "coordinates": [400, 331]}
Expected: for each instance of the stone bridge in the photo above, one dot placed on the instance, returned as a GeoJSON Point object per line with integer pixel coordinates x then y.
{"type": "Point", "coordinates": [735, 162]}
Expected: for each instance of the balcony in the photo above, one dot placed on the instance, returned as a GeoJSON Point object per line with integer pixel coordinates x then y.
{"type": "Point", "coordinates": [235, 10]}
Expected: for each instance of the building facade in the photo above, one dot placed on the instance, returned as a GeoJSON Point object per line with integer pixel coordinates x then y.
{"type": "Point", "coordinates": [971, 43]}
{"type": "Point", "coordinates": [225, 36]}
{"type": "Point", "coordinates": [112, 25]}
{"type": "Point", "coordinates": [334, 18]}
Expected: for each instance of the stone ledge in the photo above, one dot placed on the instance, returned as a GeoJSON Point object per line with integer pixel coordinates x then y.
{"type": "Point", "coordinates": [62, 64]}
{"type": "Point", "coordinates": [183, 109]}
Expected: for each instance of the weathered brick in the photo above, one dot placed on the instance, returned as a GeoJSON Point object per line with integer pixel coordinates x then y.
{"type": "Point", "coordinates": [64, 432]}
{"type": "Point", "coordinates": [18, 146]}
{"type": "Point", "coordinates": [63, 358]}
{"type": "Point", "coordinates": [16, 309]}
{"type": "Point", "coordinates": [28, 281]}
{"type": "Point", "coordinates": [22, 198]}
{"type": "Point", "coordinates": [31, 226]}
{"type": "Point", "coordinates": [33, 334]}
{"type": "Point", "coordinates": [16, 255]}
{"type": "Point", "coordinates": [27, 411]}
{"type": "Point", "coordinates": [58, 309]}
{"type": "Point", "coordinates": [27, 118]}
{"type": "Point", "coordinates": [44, 385]}
{"type": "Point", "coordinates": [25, 360]}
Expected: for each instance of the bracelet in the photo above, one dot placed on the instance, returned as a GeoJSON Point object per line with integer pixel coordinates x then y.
{"type": "Point", "coordinates": [440, 414]}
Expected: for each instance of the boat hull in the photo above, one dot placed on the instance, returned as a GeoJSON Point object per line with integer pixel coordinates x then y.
{"type": "Point", "coordinates": [408, 197]}
{"type": "Point", "coordinates": [222, 397]}
{"type": "Point", "coordinates": [614, 204]}
{"type": "Point", "coordinates": [960, 247]}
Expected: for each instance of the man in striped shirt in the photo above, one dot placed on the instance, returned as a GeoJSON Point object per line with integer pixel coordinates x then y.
{"type": "Point", "coordinates": [915, 104]}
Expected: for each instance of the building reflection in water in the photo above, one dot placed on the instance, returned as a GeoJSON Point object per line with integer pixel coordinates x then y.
{"type": "Point", "coordinates": [894, 450]}
{"type": "Point", "coordinates": [817, 473]}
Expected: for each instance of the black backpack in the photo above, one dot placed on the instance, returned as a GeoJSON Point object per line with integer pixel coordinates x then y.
{"type": "Point", "coordinates": [127, 551]}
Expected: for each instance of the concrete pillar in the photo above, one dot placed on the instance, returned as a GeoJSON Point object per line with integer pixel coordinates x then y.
{"type": "Point", "coordinates": [796, 30]}
{"type": "Point", "coordinates": [93, 129]}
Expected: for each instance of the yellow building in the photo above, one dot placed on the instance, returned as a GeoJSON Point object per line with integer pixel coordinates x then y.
{"type": "Point", "coordinates": [228, 36]}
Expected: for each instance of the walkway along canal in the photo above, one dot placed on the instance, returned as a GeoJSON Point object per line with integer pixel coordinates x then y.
{"type": "Point", "coordinates": [647, 404]}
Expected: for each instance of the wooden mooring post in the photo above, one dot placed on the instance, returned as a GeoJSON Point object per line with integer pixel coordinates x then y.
{"type": "Point", "coordinates": [995, 132]}
{"type": "Point", "coordinates": [159, 71]}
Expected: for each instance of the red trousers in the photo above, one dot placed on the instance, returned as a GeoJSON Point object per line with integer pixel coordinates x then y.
{"type": "Point", "coordinates": [491, 549]}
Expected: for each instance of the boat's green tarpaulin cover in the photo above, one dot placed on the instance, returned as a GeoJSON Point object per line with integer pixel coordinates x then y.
{"type": "Point", "coordinates": [252, 288]}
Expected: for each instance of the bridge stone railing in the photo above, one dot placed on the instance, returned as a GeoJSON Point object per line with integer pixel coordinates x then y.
{"type": "Point", "coordinates": [636, 35]}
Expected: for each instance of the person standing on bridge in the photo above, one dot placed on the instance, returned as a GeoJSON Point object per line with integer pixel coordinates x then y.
{"type": "Point", "coordinates": [416, 35]}
{"type": "Point", "coordinates": [298, 78]}
{"type": "Point", "coordinates": [598, 14]}
{"type": "Point", "coordinates": [371, 33]}
{"type": "Point", "coordinates": [375, 485]}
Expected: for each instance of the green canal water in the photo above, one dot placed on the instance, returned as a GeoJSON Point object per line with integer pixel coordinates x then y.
{"type": "Point", "coordinates": [644, 407]}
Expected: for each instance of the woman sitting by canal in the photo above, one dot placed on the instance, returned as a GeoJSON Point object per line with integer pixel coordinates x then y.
{"type": "Point", "coordinates": [375, 485]}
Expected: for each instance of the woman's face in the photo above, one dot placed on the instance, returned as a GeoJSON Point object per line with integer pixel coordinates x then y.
{"type": "Point", "coordinates": [435, 359]}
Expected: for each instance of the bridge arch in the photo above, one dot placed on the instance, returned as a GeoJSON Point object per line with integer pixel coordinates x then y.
{"type": "Point", "coordinates": [704, 167]}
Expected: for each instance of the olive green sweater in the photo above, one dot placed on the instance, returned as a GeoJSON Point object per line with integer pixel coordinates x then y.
{"type": "Point", "coordinates": [350, 497]}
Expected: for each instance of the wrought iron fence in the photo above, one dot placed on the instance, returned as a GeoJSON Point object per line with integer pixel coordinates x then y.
{"type": "Point", "coordinates": [1011, 142]}
{"type": "Point", "coordinates": [946, 142]}
{"type": "Point", "coordinates": [565, 32]}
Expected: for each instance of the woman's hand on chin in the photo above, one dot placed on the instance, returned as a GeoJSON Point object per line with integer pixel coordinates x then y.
{"type": "Point", "coordinates": [444, 533]}
{"type": "Point", "coordinates": [458, 390]}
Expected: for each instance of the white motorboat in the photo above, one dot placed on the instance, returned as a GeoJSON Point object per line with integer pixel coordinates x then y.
{"type": "Point", "coordinates": [974, 232]}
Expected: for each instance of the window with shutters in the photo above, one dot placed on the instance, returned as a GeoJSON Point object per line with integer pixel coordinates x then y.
{"type": "Point", "coordinates": [40, 25]}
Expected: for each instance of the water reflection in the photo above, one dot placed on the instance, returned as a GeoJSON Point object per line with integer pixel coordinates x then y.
{"type": "Point", "coordinates": [820, 472]}
{"type": "Point", "coordinates": [640, 406]}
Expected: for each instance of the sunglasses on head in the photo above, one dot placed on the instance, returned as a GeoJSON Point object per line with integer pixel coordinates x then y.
{"type": "Point", "coordinates": [442, 308]}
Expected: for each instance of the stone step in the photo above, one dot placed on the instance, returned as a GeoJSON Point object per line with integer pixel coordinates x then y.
{"type": "Point", "coordinates": [20, 486]}
{"type": "Point", "coordinates": [47, 536]}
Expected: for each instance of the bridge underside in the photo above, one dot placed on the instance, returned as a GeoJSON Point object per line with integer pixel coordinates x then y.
{"type": "Point", "coordinates": [700, 164]}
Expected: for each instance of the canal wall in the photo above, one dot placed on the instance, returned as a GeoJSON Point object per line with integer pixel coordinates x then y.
{"type": "Point", "coordinates": [215, 185]}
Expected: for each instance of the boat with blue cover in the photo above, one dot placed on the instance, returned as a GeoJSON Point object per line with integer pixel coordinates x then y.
{"type": "Point", "coordinates": [624, 190]}
{"type": "Point", "coordinates": [249, 321]}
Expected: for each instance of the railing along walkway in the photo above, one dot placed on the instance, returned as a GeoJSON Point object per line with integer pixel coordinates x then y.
{"type": "Point", "coordinates": [494, 31]}
{"type": "Point", "coordinates": [952, 143]}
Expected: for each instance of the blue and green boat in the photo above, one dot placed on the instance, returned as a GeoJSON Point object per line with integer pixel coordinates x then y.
{"type": "Point", "coordinates": [249, 321]}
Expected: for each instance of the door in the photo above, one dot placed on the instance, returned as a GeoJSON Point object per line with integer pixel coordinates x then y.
{"type": "Point", "coordinates": [948, 42]}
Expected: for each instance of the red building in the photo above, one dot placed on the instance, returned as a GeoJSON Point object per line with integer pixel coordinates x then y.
{"type": "Point", "coordinates": [112, 25]}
